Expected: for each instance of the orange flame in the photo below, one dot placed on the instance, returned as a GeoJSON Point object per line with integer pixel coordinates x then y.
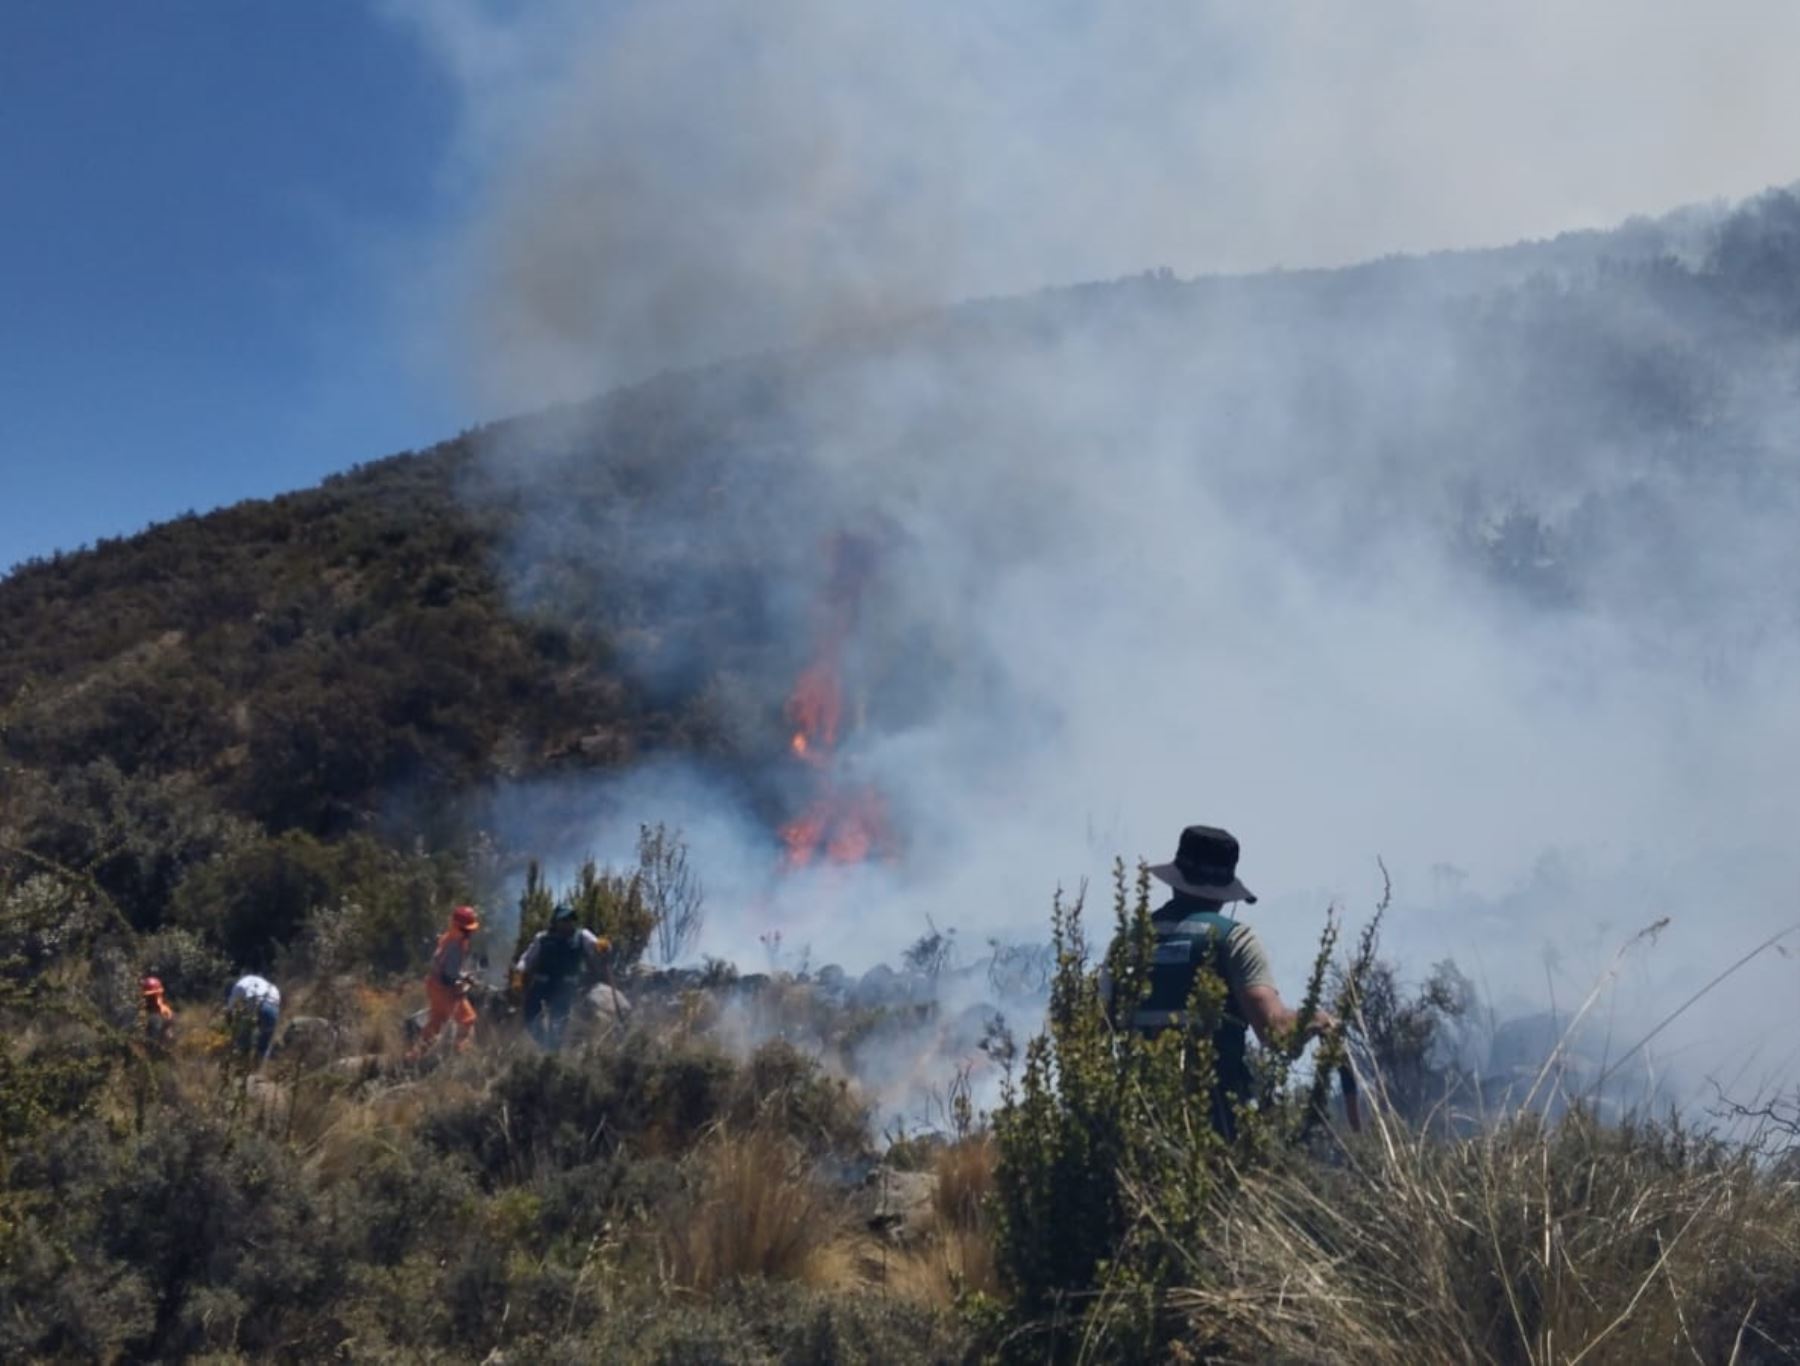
{"type": "Point", "coordinates": [839, 827]}
{"type": "Point", "coordinates": [816, 708]}
{"type": "Point", "coordinates": [840, 824]}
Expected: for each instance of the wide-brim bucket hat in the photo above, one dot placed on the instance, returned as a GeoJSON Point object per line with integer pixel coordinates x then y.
{"type": "Point", "coordinates": [1205, 866]}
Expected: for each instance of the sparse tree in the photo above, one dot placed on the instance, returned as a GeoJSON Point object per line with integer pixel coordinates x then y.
{"type": "Point", "coordinates": [931, 952]}
{"type": "Point", "coordinates": [671, 889]}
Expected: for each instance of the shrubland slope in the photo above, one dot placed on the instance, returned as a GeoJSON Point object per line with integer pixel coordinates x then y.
{"type": "Point", "coordinates": [588, 587]}
{"type": "Point", "coordinates": [262, 737]}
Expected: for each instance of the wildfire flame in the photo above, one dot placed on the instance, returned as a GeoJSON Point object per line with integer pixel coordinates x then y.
{"type": "Point", "coordinates": [815, 708]}
{"type": "Point", "coordinates": [844, 822]}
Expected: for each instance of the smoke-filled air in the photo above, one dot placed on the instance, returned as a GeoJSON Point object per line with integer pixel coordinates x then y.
{"type": "Point", "coordinates": [1092, 683]}
{"type": "Point", "coordinates": [1475, 562]}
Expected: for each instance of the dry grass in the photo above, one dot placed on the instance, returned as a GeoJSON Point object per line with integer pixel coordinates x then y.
{"type": "Point", "coordinates": [758, 1211]}
{"type": "Point", "coordinates": [935, 1273]}
{"type": "Point", "coordinates": [1529, 1243]}
{"type": "Point", "coordinates": [955, 1252]}
{"type": "Point", "coordinates": [373, 1020]}
{"type": "Point", "coordinates": [940, 1271]}
{"type": "Point", "coordinates": [965, 1178]}
{"type": "Point", "coordinates": [959, 1256]}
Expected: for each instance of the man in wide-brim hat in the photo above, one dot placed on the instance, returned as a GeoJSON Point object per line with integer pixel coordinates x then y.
{"type": "Point", "coordinates": [1193, 932]}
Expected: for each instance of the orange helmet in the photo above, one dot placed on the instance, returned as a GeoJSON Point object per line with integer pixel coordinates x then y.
{"type": "Point", "coordinates": [464, 918]}
{"type": "Point", "coordinates": [152, 986]}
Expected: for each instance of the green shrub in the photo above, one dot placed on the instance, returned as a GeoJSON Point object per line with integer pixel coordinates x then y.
{"type": "Point", "coordinates": [615, 905]}
{"type": "Point", "coordinates": [137, 837]}
{"type": "Point", "coordinates": [555, 1112]}
{"type": "Point", "coordinates": [386, 909]}
{"type": "Point", "coordinates": [49, 925]}
{"type": "Point", "coordinates": [407, 1198]}
{"type": "Point", "coordinates": [50, 1084]}
{"type": "Point", "coordinates": [320, 908]}
{"type": "Point", "coordinates": [255, 899]}
{"type": "Point", "coordinates": [214, 1229]}
{"type": "Point", "coordinates": [66, 1306]}
{"type": "Point", "coordinates": [189, 967]}
{"type": "Point", "coordinates": [1102, 1125]}
{"type": "Point", "coordinates": [759, 1323]}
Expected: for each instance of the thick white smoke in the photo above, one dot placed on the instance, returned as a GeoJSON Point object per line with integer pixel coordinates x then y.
{"type": "Point", "coordinates": [664, 183]}
{"type": "Point", "coordinates": [1199, 553]}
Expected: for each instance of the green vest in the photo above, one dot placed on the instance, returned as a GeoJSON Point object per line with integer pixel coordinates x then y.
{"type": "Point", "coordinates": [1183, 948]}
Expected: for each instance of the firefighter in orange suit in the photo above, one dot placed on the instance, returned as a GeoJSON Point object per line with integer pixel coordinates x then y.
{"type": "Point", "coordinates": [159, 1019]}
{"type": "Point", "coordinates": [447, 984]}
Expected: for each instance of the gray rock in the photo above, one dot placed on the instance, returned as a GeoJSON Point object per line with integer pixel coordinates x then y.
{"type": "Point", "coordinates": [357, 1066]}
{"type": "Point", "coordinates": [896, 1204]}
{"type": "Point", "coordinates": [309, 1039]}
{"type": "Point", "coordinates": [879, 986]}
{"type": "Point", "coordinates": [605, 1003]}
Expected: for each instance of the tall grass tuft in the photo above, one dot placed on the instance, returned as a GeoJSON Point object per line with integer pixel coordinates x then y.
{"type": "Point", "coordinates": [1532, 1242]}
{"type": "Point", "coordinates": [755, 1211]}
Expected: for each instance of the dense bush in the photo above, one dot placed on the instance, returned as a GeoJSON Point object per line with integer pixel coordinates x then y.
{"type": "Point", "coordinates": [624, 906]}
{"type": "Point", "coordinates": [536, 1217]}
{"type": "Point", "coordinates": [550, 1112]}
{"type": "Point", "coordinates": [187, 965]}
{"type": "Point", "coordinates": [760, 1324]}
{"type": "Point", "coordinates": [1103, 1125]}
{"type": "Point", "coordinates": [206, 1235]}
{"type": "Point", "coordinates": [353, 905]}
{"type": "Point", "coordinates": [254, 900]}
{"type": "Point", "coordinates": [137, 837]}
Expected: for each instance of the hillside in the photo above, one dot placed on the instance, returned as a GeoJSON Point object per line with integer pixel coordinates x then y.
{"type": "Point", "coordinates": [905, 608]}
{"type": "Point", "coordinates": [581, 590]}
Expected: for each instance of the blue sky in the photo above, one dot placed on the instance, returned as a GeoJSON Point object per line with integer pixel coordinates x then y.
{"type": "Point", "coordinates": [244, 243]}
{"type": "Point", "coordinates": [205, 208]}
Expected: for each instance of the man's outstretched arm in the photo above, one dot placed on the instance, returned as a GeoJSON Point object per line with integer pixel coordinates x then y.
{"type": "Point", "coordinates": [1273, 1019]}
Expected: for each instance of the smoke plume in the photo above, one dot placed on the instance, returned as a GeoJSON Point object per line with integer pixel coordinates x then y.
{"type": "Point", "coordinates": [1478, 563]}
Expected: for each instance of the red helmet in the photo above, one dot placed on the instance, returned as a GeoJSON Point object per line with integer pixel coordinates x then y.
{"type": "Point", "coordinates": [152, 986]}
{"type": "Point", "coordinates": [464, 918]}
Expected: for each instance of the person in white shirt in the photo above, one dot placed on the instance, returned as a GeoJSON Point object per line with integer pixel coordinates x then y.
{"type": "Point", "coordinates": [254, 1008]}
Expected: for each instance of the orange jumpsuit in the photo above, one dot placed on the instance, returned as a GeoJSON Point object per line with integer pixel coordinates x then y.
{"type": "Point", "coordinates": [445, 994]}
{"type": "Point", "coordinates": [159, 1019]}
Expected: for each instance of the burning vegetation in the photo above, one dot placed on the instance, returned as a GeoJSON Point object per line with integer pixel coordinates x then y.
{"type": "Point", "coordinates": [844, 819]}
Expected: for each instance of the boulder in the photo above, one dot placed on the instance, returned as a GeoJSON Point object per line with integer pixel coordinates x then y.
{"type": "Point", "coordinates": [309, 1039]}
{"type": "Point", "coordinates": [897, 1204]}
{"type": "Point", "coordinates": [879, 986]}
{"type": "Point", "coordinates": [357, 1067]}
{"type": "Point", "coordinates": [269, 1100]}
{"type": "Point", "coordinates": [607, 1004]}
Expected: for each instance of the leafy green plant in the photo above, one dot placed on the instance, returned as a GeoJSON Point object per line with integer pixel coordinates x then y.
{"type": "Point", "coordinates": [659, 899]}
{"type": "Point", "coordinates": [1108, 1156]}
